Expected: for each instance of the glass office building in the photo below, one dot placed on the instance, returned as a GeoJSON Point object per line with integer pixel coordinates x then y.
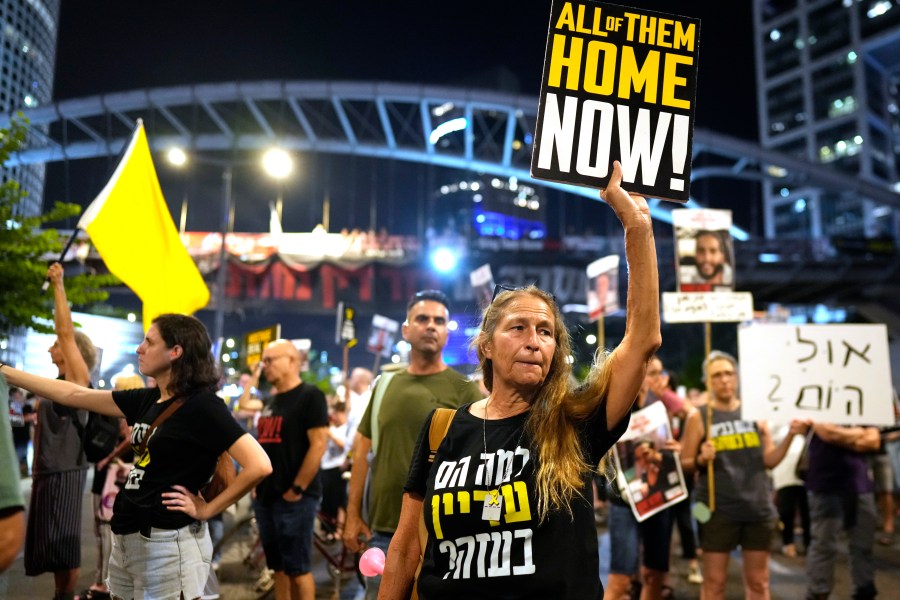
{"type": "Point", "coordinates": [27, 58]}
{"type": "Point", "coordinates": [828, 75]}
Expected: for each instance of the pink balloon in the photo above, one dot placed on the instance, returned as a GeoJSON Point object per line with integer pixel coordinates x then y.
{"type": "Point", "coordinates": [371, 563]}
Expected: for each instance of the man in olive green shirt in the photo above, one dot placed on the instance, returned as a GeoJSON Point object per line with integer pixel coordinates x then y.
{"type": "Point", "coordinates": [412, 394]}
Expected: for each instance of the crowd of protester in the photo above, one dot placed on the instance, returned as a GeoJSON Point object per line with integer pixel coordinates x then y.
{"type": "Point", "coordinates": [507, 495]}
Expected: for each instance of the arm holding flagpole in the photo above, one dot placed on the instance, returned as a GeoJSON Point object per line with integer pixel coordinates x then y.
{"type": "Point", "coordinates": [76, 369]}
{"type": "Point", "coordinates": [62, 255]}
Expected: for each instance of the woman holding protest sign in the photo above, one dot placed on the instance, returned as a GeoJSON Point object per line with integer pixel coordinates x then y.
{"type": "Point", "coordinates": [161, 547]}
{"type": "Point", "coordinates": [509, 492]}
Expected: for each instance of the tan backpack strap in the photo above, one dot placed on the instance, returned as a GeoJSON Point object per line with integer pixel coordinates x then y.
{"type": "Point", "coordinates": [437, 431]}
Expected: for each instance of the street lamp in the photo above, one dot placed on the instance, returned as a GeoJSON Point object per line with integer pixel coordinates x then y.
{"type": "Point", "coordinates": [278, 164]}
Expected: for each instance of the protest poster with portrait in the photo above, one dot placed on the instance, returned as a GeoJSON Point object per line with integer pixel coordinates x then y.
{"type": "Point", "coordinates": [704, 250]}
{"type": "Point", "coordinates": [382, 337]}
{"type": "Point", "coordinates": [482, 280]}
{"type": "Point", "coordinates": [618, 83]}
{"type": "Point", "coordinates": [603, 287]}
{"type": "Point", "coordinates": [649, 476]}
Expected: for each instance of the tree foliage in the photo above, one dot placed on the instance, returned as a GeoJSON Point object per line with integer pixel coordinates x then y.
{"type": "Point", "coordinates": [24, 247]}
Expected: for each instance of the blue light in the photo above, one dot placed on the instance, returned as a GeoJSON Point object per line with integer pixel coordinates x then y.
{"type": "Point", "coordinates": [799, 205]}
{"type": "Point", "coordinates": [768, 257]}
{"type": "Point", "coordinates": [443, 260]}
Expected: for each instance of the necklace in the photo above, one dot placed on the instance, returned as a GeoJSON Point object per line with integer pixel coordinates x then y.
{"type": "Point", "coordinates": [493, 501]}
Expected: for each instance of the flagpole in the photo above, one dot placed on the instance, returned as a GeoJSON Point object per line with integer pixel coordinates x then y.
{"type": "Point", "coordinates": [62, 256]}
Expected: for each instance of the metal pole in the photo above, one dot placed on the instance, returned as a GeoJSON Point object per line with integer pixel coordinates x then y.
{"type": "Point", "coordinates": [222, 275]}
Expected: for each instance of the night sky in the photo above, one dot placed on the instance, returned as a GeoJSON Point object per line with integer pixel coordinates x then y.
{"type": "Point", "coordinates": [107, 46]}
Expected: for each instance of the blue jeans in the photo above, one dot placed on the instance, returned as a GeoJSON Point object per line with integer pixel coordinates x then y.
{"type": "Point", "coordinates": [381, 540]}
{"type": "Point", "coordinates": [624, 544]}
{"type": "Point", "coordinates": [829, 515]}
{"type": "Point", "coordinates": [286, 530]}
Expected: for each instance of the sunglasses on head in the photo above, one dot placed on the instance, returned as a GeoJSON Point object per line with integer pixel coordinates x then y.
{"type": "Point", "coordinates": [502, 287]}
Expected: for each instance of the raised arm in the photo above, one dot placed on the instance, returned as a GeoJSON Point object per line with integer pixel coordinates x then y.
{"type": "Point", "coordinates": [642, 327]}
{"type": "Point", "coordinates": [246, 402]}
{"type": "Point", "coordinates": [77, 370]}
{"type": "Point", "coordinates": [64, 392]}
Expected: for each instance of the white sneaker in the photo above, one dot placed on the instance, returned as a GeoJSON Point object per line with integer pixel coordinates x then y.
{"type": "Point", "coordinates": [694, 575]}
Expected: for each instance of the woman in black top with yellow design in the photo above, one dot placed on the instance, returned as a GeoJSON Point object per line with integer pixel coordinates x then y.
{"type": "Point", "coordinates": [160, 544]}
{"type": "Point", "coordinates": [507, 500]}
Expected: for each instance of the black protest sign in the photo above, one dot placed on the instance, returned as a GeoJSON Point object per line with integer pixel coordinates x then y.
{"type": "Point", "coordinates": [618, 84]}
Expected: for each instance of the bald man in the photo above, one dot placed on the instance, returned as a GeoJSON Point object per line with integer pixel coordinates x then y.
{"type": "Point", "coordinates": [293, 430]}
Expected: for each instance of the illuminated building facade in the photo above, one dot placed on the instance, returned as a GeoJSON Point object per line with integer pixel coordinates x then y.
{"type": "Point", "coordinates": [27, 57]}
{"type": "Point", "coordinates": [828, 75]}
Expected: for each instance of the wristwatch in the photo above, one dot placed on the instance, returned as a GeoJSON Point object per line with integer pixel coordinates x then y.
{"type": "Point", "coordinates": [298, 490]}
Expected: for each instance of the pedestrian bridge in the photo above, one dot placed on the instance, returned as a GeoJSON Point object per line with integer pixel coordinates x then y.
{"type": "Point", "coordinates": [476, 130]}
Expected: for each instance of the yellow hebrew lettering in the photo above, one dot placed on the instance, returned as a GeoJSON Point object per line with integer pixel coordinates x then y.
{"type": "Point", "coordinates": [521, 491]}
{"type": "Point", "coordinates": [464, 504]}
{"type": "Point", "coordinates": [436, 517]}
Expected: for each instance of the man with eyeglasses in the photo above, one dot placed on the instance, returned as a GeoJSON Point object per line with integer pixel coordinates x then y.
{"type": "Point", "coordinates": [739, 452]}
{"type": "Point", "coordinates": [407, 399]}
{"type": "Point", "coordinates": [293, 430]}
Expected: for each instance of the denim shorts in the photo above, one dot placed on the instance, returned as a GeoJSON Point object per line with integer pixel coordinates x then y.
{"type": "Point", "coordinates": [169, 563]}
{"type": "Point", "coordinates": [286, 530]}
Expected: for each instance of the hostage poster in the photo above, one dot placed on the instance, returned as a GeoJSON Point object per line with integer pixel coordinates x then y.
{"type": "Point", "coordinates": [618, 83]}
{"type": "Point", "coordinates": [649, 476]}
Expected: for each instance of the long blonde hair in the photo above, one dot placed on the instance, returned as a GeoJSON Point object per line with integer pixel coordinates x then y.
{"type": "Point", "coordinates": [556, 408]}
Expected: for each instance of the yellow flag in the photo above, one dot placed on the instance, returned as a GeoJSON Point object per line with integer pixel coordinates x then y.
{"type": "Point", "coordinates": [130, 225]}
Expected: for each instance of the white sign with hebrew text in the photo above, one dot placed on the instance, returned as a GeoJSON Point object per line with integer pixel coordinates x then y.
{"type": "Point", "coordinates": [829, 373]}
{"type": "Point", "coordinates": [713, 307]}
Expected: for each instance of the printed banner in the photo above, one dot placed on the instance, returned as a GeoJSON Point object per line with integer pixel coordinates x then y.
{"type": "Point", "coordinates": [618, 84]}
{"type": "Point", "coordinates": [603, 287]}
{"type": "Point", "coordinates": [650, 476]}
{"type": "Point", "coordinates": [829, 373]}
{"type": "Point", "coordinates": [704, 250]}
{"type": "Point", "coordinates": [384, 332]}
{"type": "Point", "coordinates": [707, 307]}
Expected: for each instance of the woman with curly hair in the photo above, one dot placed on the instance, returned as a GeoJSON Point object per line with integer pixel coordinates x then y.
{"type": "Point", "coordinates": [161, 546]}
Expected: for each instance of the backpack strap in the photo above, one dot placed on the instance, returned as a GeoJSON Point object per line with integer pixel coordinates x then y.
{"type": "Point", "coordinates": [381, 386]}
{"type": "Point", "coordinates": [437, 431]}
{"type": "Point", "coordinates": [170, 410]}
